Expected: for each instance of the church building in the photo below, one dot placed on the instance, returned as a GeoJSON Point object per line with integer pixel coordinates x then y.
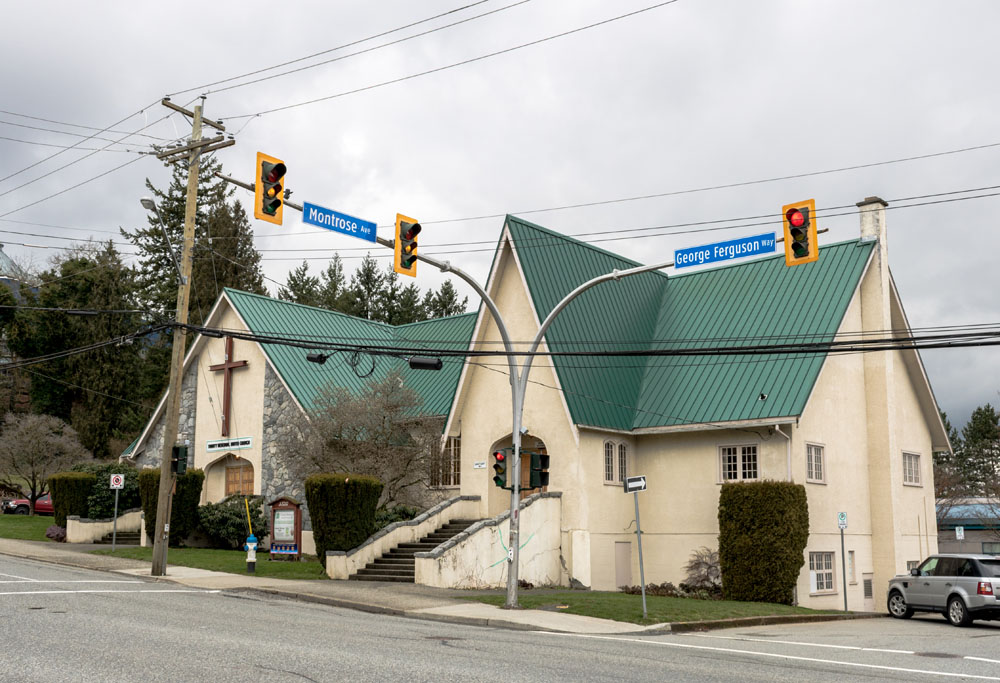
{"type": "Point", "coordinates": [857, 430]}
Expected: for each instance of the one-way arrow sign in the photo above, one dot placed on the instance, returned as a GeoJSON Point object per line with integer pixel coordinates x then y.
{"type": "Point", "coordinates": [633, 484]}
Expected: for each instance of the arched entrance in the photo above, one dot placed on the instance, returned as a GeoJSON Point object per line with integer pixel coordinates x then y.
{"type": "Point", "coordinates": [229, 475]}
{"type": "Point", "coordinates": [500, 498]}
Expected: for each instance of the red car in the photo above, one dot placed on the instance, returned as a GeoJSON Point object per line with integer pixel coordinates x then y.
{"type": "Point", "coordinates": [21, 506]}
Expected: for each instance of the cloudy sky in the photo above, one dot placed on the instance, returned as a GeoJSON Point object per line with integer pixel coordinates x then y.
{"type": "Point", "coordinates": [679, 96]}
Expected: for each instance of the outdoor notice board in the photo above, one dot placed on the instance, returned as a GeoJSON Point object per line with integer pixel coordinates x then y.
{"type": "Point", "coordinates": [286, 528]}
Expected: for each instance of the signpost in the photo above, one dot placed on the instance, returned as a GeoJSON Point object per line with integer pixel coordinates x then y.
{"type": "Point", "coordinates": [842, 523]}
{"type": "Point", "coordinates": [320, 216]}
{"type": "Point", "coordinates": [725, 251]}
{"type": "Point", "coordinates": [117, 484]}
{"type": "Point", "coordinates": [633, 485]}
{"type": "Point", "coordinates": [960, 533]}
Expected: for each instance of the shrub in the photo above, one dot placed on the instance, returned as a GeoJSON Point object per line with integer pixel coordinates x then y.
{"type": "Point", "coordinates": [101, 501]}
{"type": "Point", "coordinates": [399, 513]}
{"type": "Point", "coordinates": [225, 522]}
{"type": "Point", "coordinates": [342, 508]}
{"type": "Point", "coordinates": [184, 510]}
{"type": "Point", "coordinates": [69, 494]}
{"type": "Point", "coordinates": [763, 530]}
{"type": "Point", "coordinates": [703, 570]}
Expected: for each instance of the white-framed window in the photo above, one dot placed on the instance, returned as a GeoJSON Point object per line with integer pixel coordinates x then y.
{"type": "Point", "coordinates": [911, 469]}
{"type": "Point", "coordinates": [912, 564]}
{"type": "Point", "coordinates": [738, 463]}
{"type": "Point", "coordinates": [615, 462]}
{"type": "Point", "coordinates": [815, 464]}
{"type": "Point", "coordinates": [851, 575]}
{"type": "Point", "coordinates": [446, 469]}
{"type": "Point", "coordinates": [821, 573]}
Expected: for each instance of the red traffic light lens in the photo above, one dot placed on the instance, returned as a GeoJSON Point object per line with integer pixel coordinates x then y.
{"type": "Point", "coordinates": [499, 456]}
{"type": "Point", "coordinates": [795, 218]}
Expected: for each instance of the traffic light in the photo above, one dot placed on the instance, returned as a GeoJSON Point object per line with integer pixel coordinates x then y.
{"type": "Point", "coordinates": [539, 477]}
{"type": "Point", "coordinates": [269, 190]}
{"type": "Point", "coordinates": [179, 460]}
{"type": "Point", "coordinates": [801, 245]}
{"type": "Point", "coordinates": [500, 469]}
{"type": "Point", "coordinates": [404, 246]}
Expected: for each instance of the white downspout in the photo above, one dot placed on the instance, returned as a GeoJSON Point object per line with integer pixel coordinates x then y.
{"type": "Point", "coordinates": [788, 449]}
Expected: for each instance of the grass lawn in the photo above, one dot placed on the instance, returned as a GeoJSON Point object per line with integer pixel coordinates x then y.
{"type": "Point", "coordinates": [232, 561]}
{"type": "Point", "coordinates": [25, 528]}
{"type": "Point", "coordinates": [623, 607]}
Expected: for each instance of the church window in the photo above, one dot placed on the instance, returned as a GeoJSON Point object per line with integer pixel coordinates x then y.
{"type": "Point", "coordinates": [738, 463]}
{"type": "Point", "coordinates": [446, 469]}
{"type": "Point", "coordinates": [239, 480]}
{"type": "Point", "coordinates": [609, 462]}
{"type": "Point", "coordinates": [911, 469]}
{"type": "Point", "coordinates": [615, 462]}
{"type": "Point", "coordinates": [622, 462]}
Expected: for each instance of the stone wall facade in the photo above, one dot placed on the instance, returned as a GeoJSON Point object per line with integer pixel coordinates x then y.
{"type": "Point", "coordinates": [152, 450]}
{"type": "Point", "coordinates": [281, 415]}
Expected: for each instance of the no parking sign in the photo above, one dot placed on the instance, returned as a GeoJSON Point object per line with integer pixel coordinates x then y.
{"type": "Point", "coordinates": [117, 481]}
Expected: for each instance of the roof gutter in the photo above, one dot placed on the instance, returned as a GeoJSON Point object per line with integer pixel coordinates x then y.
{"type": "Point", "coordinates": [788, 449]}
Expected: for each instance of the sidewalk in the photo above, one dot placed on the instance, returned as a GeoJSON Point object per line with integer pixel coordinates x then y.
{"type": "Point", "coordinates": [398, 599]}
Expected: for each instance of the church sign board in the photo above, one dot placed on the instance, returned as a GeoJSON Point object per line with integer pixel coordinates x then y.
{"type": "Point", "coordinates": [286, 528]}
{"type": "Point", "coordinates": [238, 444]}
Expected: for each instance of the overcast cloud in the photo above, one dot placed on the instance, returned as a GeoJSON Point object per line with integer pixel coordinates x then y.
{"type": "Point", "coordinates": [692, 94]}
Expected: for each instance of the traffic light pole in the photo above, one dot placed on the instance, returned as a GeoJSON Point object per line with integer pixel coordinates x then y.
{"type": "Point", "coordinates": [172, 417]}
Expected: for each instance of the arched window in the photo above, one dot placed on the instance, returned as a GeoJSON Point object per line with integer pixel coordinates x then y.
{"type": "Point", "coordinates": [609, 461]}
{"type": "Point", "coordinates": [622, 462]}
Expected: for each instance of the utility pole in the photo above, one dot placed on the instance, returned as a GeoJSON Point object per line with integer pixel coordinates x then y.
{"type": "Point", "coordinates": [172, 417]}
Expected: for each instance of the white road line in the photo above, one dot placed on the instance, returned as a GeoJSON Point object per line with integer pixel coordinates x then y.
{"type": "Point", "coordinates": [797, 642]}
{"type": "Point", "coordinates": [779, 656]}
{"type": "Point", "coordinates": [152, 590]}
{"type": "Point", "coordinates": [982, 659]}
{"type": "Point", "coordinates": [22, 578]}
{"type": "Point", "coordinates": [75, 581]}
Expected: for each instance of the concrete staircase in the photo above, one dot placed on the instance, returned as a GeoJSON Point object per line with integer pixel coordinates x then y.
{"type": "Point", "coordinates": [123, 538]}
{"type": "Point", "coordinates": [399, 564]}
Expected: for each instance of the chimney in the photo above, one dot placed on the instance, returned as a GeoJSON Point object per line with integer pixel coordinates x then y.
{"type": "Point", "coordinates": [873, 219]}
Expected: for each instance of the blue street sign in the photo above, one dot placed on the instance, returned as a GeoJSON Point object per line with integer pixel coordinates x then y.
{"type": "Point", "coordinates": [724, 251]}
{"type": "Point", "coordinates": [338, 222]}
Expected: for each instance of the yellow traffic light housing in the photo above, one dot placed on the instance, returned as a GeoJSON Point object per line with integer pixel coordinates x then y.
{"type": "Point", "coordinates": [269, 190]}
{"type": "Point", "coordinates": [404, 247]}
{"type": "Point", "coordinates": [799, 221]}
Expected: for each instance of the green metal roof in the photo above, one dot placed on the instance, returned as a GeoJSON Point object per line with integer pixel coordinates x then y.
{"type": "Point", "coordinates": [715, 307]}
{"type": "Point", "coordinates": [265, 315]}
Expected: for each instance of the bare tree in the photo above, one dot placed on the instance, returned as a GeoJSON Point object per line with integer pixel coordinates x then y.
{"type": "Point", "coordinates": [378, 431]}
{"type": "Point", "coordinates": [33, 447]}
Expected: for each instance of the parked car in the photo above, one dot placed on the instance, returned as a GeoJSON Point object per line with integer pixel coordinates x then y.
{"type": "Point", "coordinates": [21, 506]}
{"type": "Point", "coordinates": [961, 587]}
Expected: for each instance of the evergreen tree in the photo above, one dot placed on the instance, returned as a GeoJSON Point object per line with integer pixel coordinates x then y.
{"type": "Point", "coordinates": [303, 288]}
{"type": "Point", "coordinates": [365, 298]}
{"type": "Point", "coordinates": [410, 308]}
{"type": "Point", "coordinates": [333, 285]}
{"type": "Point", "coordinates": [224, 254]}
{"type": "Point", "coordinates": [979, 457]}
{"type": "Point", "coordinates": [444, 302]}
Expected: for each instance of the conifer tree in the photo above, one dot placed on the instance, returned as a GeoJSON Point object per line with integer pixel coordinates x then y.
{"type": "Point", "coordinates": [302, 288]}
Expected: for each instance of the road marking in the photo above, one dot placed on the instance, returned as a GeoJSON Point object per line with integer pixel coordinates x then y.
{"type": "Point", "coordinates": [73, 581]}
{"type": "Point", "coordinates": [982, 659]}
{"type": "Point", "coordinates": [96, 590]}
{"type": "Point", "coordinates": [22, 578]}
{"type": "Point", "coordinates": [797, 642]}
{"type": "Point", "coordinates": [772, 655]}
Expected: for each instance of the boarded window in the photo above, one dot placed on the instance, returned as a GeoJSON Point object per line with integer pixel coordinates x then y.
{"type": "Point", "coordinates": [239, 480]}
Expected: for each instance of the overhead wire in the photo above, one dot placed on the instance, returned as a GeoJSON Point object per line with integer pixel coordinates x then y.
{"type": "Point", "coordinates": [77, 125]}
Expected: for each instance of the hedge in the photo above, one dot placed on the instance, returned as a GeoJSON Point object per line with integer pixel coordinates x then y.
{"type": "Point", "coordinates": [101, 501]}
{"type": "Point", "coordinates": [184, 510]}
{"type": "Point", "coordinates": [70, 491]}
{"type": "Point", "coordinates": [342, 508]}
{"type": "Point", "coordinates": [763, 530]}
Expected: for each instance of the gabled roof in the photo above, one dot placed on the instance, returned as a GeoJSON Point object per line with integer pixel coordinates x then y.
{"type": "Point", "coordinates": [717, 307]}
{"type": "Point", "coordinates": [267, 316]}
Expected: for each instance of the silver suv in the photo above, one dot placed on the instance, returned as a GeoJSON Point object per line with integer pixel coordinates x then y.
{"type": "Point", "coordinates": [962, 587]}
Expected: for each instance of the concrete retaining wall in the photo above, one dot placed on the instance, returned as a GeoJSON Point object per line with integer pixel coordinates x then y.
{"type": "Point", "coordinates": [92, 530]}
{"type": "Point", "coordinates": [341, 564]}
{"type": "Point", "coordinates": [477, 558]}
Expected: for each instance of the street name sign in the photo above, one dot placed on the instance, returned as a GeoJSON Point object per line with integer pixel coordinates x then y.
{"type": "Point", "coordinates": [322, 217]}
{"type": "Point", "coordinates": [633, 484]}
{"type": "Point", "coordinates": [117, 481]}
{"type": "Point", "coordinates": [725, 251]}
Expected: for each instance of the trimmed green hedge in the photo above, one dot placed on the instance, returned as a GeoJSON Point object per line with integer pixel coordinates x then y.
{"type": "Point", "coordinates": [101, 501]}
{"type": "Point", "coordinates": [183, 511]}
{"type": "Point", "coordinates": [763, 530]}
{"type": "Point", "coordinates": [70, 491]}
{"type": "Point", "coordinates": [342, 508]}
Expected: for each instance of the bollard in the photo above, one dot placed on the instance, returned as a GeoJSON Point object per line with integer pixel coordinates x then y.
{"type": "Point", "coordinates": [251, 548]}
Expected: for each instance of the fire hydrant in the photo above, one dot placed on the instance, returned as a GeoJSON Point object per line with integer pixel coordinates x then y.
{"type": "Point", "coordinates": [251, 547]}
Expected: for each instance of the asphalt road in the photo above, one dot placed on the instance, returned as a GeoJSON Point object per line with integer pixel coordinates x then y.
{"type": "Point", "coordinates": [68, 624]}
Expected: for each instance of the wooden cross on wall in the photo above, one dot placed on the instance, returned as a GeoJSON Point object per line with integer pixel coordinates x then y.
{"type": "Point", "coordinates": [227, 382]}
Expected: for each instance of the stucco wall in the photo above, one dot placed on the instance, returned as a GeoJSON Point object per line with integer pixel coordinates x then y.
{"type": "Point", "coordinates": [92, 530]}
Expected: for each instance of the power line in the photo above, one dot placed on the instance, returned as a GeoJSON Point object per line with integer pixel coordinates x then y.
{"type": "Point", "coordinates": [88, 390]}
{"type": "Point", "coordinates": [82, 149]}
{"type": "Point", "coordinates": [76, 125]}
{"type": "Point", "coordinates": [455, 64]}
{"type": "Point", "coordinates": [60, 132]}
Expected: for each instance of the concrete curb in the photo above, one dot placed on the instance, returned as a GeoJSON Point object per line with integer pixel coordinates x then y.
{"type": "Point", "coordinates": [688, 626]}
